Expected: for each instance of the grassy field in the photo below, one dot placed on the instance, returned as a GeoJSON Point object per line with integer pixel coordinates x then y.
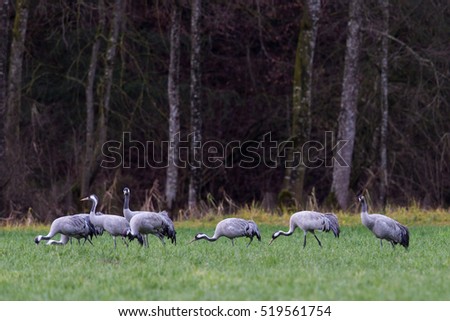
{"type": "Point", "coordinates": [352, 267]}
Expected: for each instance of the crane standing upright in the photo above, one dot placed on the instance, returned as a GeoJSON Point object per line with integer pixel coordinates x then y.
{"type": "Point", "coordinates": [115, 225]}
{"type": "Point", "coordinates": [383, 227]}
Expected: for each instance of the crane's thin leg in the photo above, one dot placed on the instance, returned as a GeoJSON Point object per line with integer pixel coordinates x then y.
{"type": "Point", "coordinates": [251, 239]}
{"type": "Point", "coordinates": [320, 244]}
{"type": "Point", "coordinates": [124, 241]}
{"type": "Point", "coordinates": [393, 245]}
{"type": "Point", "coordinates": [114, 238]}
{"type": "Point", "coordinates": [304, 240]}
{"type": "Point", "coordinates": [87, 239]}
{"type": "Point", "coordinates": [232, 241]}
{"type": "Point", "coordinates": [161, 238]}
{"type": "Point", "coordinates": [381, 243]}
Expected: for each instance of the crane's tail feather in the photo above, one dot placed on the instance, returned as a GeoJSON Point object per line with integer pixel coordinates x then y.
{"type": "Point", "coordinates": [252, 230]}
{"type": "Point", "coordinates": [404, 236]}
{"type": "Point", "coordinates": [169, 229]}
{"type": "Point", "coordinates": [333, 223]}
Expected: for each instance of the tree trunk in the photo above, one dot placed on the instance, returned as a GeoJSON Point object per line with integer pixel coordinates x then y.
{"type": "Point", "coordinates": [301, 109]}
{"type": "Point", "coordinates": [119, 7]}
{"type": "Point", "coordinates": [349, 100]}
{"type": "Point", "coordinates": [15, 189]}
{"type": "Point", "coordinates": [174, 105]}
{"type": "Point", "coordinates": [196, 138]}
{"type": "Point", "coordinates": [4, 40]}
{"type": "Point", "coordinates": [89, 154]}
{"type": "Point", "coordinates": [384, 103]}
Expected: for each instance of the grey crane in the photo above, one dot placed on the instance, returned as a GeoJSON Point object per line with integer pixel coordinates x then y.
{"type": "Point", "coordinates": [115, 225]}
{"type": "Point", "coordinates": [309, 221]}
{"type": "Point", "coordinates": [77, 226]}
{"type": "Point", "coordinates": [158, 224]}
{"type": "Point", "coordinates": [159, 227]}
{"type": "Point", "coordinates": [93, 231]}
{"type": "Point", "coordinates": [383, 227]}
{"type": "Point", "coordinates": [232, 228]}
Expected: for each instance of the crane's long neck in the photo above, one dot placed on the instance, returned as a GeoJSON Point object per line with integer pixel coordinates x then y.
{"type": "Point", "coordinates": [278, 233]}
{"type": "Point", "coordinates": [55, 228]}
{"type": "Point", "coordinates": [292, 227]}
{"type": "Point", "coordinates": [206, 237]}
{"type": "Point", "coordinates": [126, 208]}
{"type": "Point", "coordinates": [92, 216]}
{"type": "Point", "coordinates": [64, 239]}
{"type": "Point", "coordinates": [365, 217]}
{"type": "Point", "coordinates": [126, 202]}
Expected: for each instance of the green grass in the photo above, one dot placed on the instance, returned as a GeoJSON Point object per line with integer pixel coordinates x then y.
{"type": "Point", "coordinates": [352, 267]}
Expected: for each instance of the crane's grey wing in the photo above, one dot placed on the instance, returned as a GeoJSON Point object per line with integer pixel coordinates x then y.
{"type": "Point", "coordinates": [333, 223]}
{"type": "Point", "coordinates": [233, 227]}
{"type": "Point", "coordinates": [93, 230]}
{"type": "Point", "coordinates": [252, 230]}
{"type": "Point", "coordinates": [165, 214]}
{"type": "Point", "coordinates": [386, 228]}
{"type": "Point", "coordinates": [115, 224]}
{"type": "Point", "coordinates": [310, 221]}
{"type": "Point", "coordinates": [147, 223]}
{"type": "Point", "coordinates": [73, 225]}
{"type": "Point", "coordinates": [389, 229]}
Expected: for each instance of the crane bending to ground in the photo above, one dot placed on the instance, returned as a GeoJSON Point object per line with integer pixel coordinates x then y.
{"type": "Point", "coordinates": [77, 226]}
{"type": "Point", "coordinates": [310, 221]}
{"type": "Point", "coordinates": [158, 224]}
{"type": "Point", "coordinates": [232, 228]}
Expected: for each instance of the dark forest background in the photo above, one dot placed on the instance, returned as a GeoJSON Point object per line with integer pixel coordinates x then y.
{"type": "Point", "coordinates": [248, 52]}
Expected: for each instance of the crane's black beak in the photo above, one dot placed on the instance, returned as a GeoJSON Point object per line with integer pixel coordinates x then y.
{"type": "Point", "coordinates": [193, 240]}
{"type": "Point", "coordinates": [271, 241]}
{"type": "Point", "coordinates": [85, 199]}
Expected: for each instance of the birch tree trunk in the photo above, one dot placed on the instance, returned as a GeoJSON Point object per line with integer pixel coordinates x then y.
{"type": "Point", "coordinates": [118, 9]}
{"type": "Point", "coordinates": [349, 100]}
{"type": "Point", "coordinates": [13, 151]}
{"type": "Point", "coordinates": [384, 102]}
{"type": "Point", "coordinates": [89, 154]}
{"type": "Point", "coordinates": [174, 104]}
{"type": "Point", "coordinates": [196, 138]}
{"type": "Point", "coordinates": [301, 109]}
